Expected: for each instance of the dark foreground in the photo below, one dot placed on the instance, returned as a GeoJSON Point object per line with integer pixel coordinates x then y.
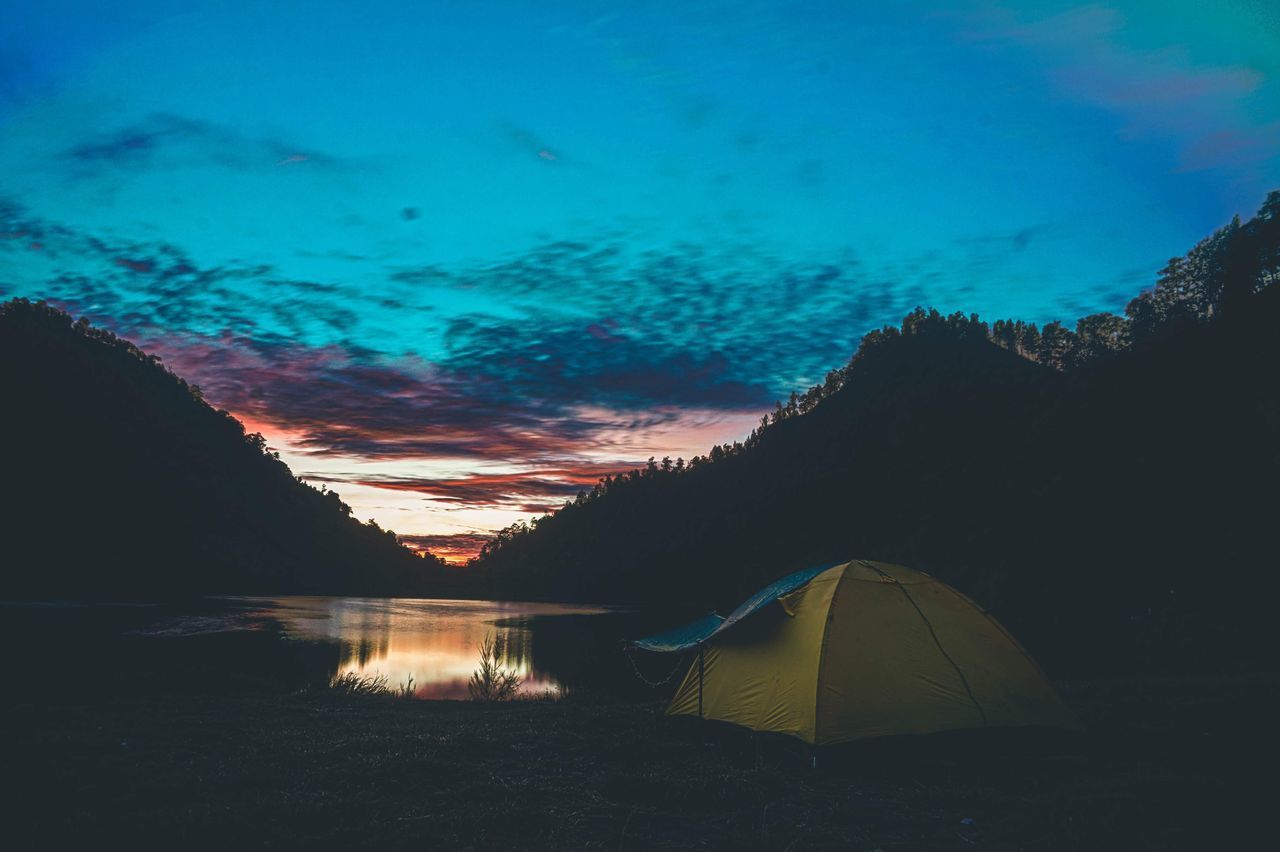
{"type": "Point", "coordinates": [1167, 764]}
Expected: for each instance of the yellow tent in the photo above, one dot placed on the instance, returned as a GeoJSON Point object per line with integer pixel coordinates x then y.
{"type": "Point", "coordinates": [860, 649]}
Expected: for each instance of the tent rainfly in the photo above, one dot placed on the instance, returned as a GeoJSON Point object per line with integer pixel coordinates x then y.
{"type": "Point", "coordinates": [859, 649]}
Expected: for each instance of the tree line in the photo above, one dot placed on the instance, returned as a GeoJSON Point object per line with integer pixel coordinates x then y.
{"type": "Point", "coordinates": [1003, 457]}
{"type": "Point", "coordinates": [122, 481]}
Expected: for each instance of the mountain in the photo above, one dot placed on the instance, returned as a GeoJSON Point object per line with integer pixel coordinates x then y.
{"type": "Point", "coordinates": [1108, 493]}
{"type": "Point", "coordinates": [120, 481]}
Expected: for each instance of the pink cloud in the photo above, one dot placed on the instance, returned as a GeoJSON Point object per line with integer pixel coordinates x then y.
{"type": "Point", "coordinates": [1157, 92]}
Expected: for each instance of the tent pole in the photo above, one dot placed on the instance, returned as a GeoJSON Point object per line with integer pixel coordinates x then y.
{"type": "Point", "coordinates": [699, 680]}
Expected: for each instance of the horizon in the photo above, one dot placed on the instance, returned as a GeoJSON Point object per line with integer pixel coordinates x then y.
{"type": "Point", "coordinates": [459, 287]}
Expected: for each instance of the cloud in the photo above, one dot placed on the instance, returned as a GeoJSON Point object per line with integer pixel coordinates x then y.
{"type": "Point", "coordinates": [1157, 92]}
{"type": "Point", "coordinates": [501, 389]}
{"type": "Point", "coordinates": [346, 401]}
{"type": "Point", "coordinates": [581, 325]}
{"type": "Point", "coordinates": [144, 288]}
{"type": "Point", "coordinates": [588, 343]}
{"type": "Point", "coordinates": [572, 323]}
{"type": "Point", "coordinates": [685, 324]}
{"type": "Point", "coordinates": [133, 143]}
{"type": "Point", "coordinates": [455, 547]}
{"type": "Point", "coordinates": [531, 143]}
{"type": "Point", "coordinates": [1231, 145]}
{"type": "Point", "coordinates": [530, 490]}
{"type": "Point", "coordinates": [998, 243]}
{"type": "Point", "coordinates": [177, 137]}
{"type": "Point", "coordinates": [581, 363]}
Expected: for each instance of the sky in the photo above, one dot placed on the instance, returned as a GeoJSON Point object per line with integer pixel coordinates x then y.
{"type": "Point", "coordinates": [456, 261]}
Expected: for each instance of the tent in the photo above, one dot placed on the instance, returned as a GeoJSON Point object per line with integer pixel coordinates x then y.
{"type": "Point", "coordinates": [859, 649]}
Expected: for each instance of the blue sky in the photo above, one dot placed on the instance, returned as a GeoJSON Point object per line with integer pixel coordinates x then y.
{"type": "Point", "coordinates": [456, 259]}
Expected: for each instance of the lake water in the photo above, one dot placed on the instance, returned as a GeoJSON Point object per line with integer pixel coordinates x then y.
{"type": "Point", "coordinates": [434, 642]}
{"type": "Point", "coordinates": [290, 642]}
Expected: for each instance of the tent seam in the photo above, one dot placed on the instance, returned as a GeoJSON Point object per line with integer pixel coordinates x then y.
{"type": "Point", "coordinates": [964, 681]}
{"type": "Point", "coordinates": [1026, 655]}
{"type": "Point", "coordinates": [822, 653]}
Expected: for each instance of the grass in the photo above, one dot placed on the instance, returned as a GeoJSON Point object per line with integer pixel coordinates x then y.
{"type": "Point", "coordinates": [1166, 764]}
{"type": "Point", "coordinates": [355, 685]}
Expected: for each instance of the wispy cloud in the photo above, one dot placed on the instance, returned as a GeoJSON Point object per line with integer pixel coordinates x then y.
{"type": "Point", "coordinates": [529, 142]}
{"type": "Point", "coordinates": [1156, 91]}
{"type": "Point", "coordinates": [164, 135]}
{"type": "Point", "coordinates": [534, 490]}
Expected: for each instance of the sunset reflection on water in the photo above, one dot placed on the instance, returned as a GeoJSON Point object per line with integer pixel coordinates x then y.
{"type": "Point", "coordinates": [433, 641]}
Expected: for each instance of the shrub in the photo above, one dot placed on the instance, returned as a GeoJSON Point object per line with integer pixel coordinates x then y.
{"type": "Point", "coordinates": [492, 681]}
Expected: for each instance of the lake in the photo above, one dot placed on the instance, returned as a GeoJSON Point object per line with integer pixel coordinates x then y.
{"type": "Point", "coordinates": [238, 643]}
{"type": "Point", "coordinates": [434, 642]}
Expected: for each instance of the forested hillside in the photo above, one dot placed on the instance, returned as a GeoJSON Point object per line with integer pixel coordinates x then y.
{"type": "Point", "coordinates": [1108, 491]}
{"type": "Point", "coordinates": [121, 482]}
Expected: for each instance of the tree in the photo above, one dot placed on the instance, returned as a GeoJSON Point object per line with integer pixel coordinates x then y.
{"type": "Point", "coordinates": [1101, 335]}
{"type": "Point", "coordinates": [1057, 347]}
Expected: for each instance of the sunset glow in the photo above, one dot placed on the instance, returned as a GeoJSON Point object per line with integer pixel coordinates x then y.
{"type": "Point", "coordinates": [457, 286]}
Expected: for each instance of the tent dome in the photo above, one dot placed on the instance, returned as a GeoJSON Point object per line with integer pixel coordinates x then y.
{"type": "Point", "coordinates": [860, 649]}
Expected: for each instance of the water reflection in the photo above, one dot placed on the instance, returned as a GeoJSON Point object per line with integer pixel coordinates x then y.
{"type": "Point", "coordinates": [434, 641]}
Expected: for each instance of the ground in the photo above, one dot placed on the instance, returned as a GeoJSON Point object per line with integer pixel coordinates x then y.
{"type": "Point", "coordinates": [1166, 763]}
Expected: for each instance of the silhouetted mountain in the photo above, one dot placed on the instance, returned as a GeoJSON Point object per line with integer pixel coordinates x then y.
{"type": "Point", "coordinates": [1108, 492]}
{"type": "Point", "coordinates": [121, 482]}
